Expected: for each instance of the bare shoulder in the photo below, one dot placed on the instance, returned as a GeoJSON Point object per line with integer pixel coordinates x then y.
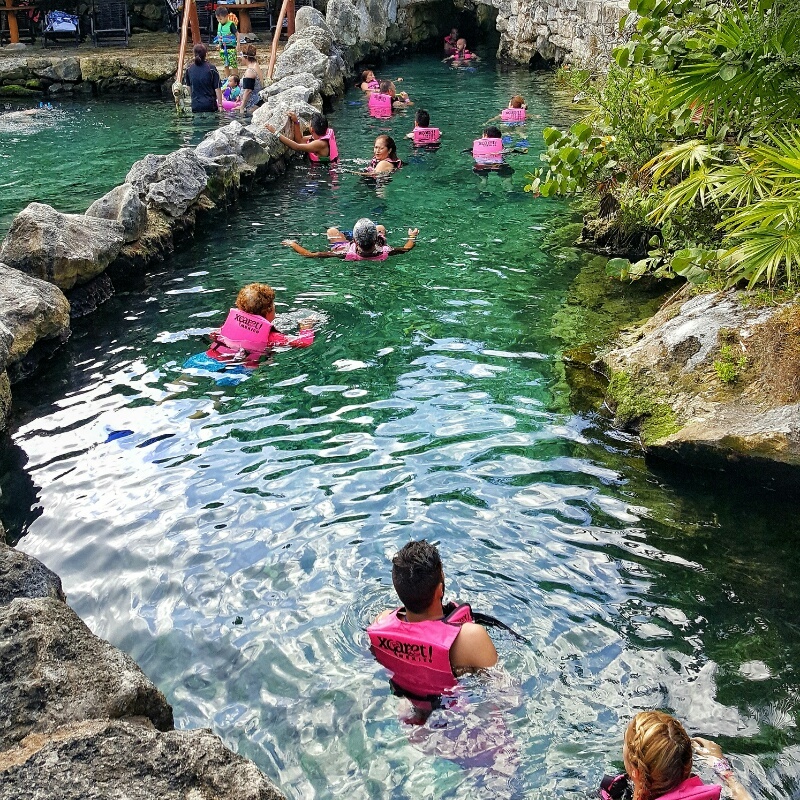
{"type": "Point", "coordinates": [473, 648]}
{"type": "Point", "coordinates": [382, 616]}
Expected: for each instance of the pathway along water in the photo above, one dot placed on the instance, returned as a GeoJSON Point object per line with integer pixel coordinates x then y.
{"type": "Point", "coordinates": [236, 541]}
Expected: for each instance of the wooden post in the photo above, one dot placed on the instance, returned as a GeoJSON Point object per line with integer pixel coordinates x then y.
{"type": "Point", "coordinates": [182, 49]}
{"type": "Point", "coordinates": [194, 22]}
{"type": "Point", "coordinates": [290, 12]}
{"type": "Point", "coordinates": [274, 53]}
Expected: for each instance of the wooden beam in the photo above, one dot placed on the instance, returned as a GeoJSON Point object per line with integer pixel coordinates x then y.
{"type": "Point", "coordinates": [194, 22]}
{"type": "Point", "coordinates": [182, 49]}
{"type": "Point", "coordinates": [274, 53]}
{"type": "Point", "coordinates": [290, 12]}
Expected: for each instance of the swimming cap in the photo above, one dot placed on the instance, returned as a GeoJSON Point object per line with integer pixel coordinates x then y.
{"type": "Point", "coordinates": [365, 234]}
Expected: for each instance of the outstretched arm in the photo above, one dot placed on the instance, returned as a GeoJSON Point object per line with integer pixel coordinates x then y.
{"type": "Point", "coordinates": [409, 245]}
{"type": "Point", "coordinates": [298, 248]}
{"type": "Point", "coordinates": [712, 752]}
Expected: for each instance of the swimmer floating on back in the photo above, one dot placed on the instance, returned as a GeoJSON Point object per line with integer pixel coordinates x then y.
{"type": "Point", "coordinates": [368, 244]}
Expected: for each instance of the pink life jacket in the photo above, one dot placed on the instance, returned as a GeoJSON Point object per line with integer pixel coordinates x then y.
{"type": "Point", "coordinates": [373, 85]}
{"type": "Point", "coordinates": [513, 115]}
{"type": "Point", "coordinates": [418, 653]}
{"type": "Point", "coordinates": [353, 255]}
{"type": "Point", "coordinates": [691, 789]}
{"type": "Point", "coordinates": [481, 148]}
{"type": "Point", "coordinates": [333, 150]}
{"type": "Point", "coordinates": [465, 56]}
{"type": "Point", "coordinates": [426, 135]}
{"type": "Point", "coordinates": [243, 331]}
{"type": "Point", "coordinates": [380, 105]}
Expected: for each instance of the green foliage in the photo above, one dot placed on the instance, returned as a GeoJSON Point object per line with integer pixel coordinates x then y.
{"type": "Point", "coordinates": [696, 130]}
{"type": "Point", "coordinates": [730, 364]}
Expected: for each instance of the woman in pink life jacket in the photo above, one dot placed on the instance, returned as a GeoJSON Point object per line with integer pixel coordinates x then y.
{"type": "Point", "coordinates": [657, 753]}
{"type": "Point", "coordinates": [366, 244]}
{"type": "Point", "coordinates": [320, 144]}
{"type": "Point", "coordinates": [248, 331]}
{"type": "Point", "coordinates": [424, 645]}
{"type": "Point", "coordinates": [367, 81]}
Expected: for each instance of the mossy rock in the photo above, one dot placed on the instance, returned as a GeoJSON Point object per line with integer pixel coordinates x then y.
{"type": "Point", "coordinates": [640, 408]}
{"type": "Point", "coordinates": [15, 90]}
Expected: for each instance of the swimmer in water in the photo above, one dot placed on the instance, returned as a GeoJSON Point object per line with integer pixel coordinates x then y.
{"type": "Point", "coordinates": [367, 81]}
{"type": "Point", "coordinates": [462, 57]}
{"type": "Point", "coordinates": [320, 145]}
{"type": "Point", "coordinates": [366, 244]}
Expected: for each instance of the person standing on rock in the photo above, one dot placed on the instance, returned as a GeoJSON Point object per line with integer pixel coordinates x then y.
{"type": "Point", "coordinates": [252, 81]}
{"type": "Point", "coordinates": [203, 79]}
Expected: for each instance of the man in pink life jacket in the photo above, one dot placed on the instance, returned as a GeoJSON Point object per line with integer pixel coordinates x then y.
{"type": "Point", "coordinates": [424, 644]}
{"type": "Point", "coordinates": [462, 56]}
{"type": "Point", "coordinates": [365, 245]}
{"type": "Point", "coordinates": [423, 135]}
{"type": "Point", "coordinates": [657, 753]}
{"type": "Point", "coordinates": [320, 144]}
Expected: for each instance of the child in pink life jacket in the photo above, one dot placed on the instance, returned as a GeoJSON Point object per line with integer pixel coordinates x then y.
{"type": "Point", "coordinates": [462, 57]}
{"type": "Point", "coordinates": [366, 244]}
{"type": "Point", "coordinates": [657, 754]}
{"type": "Point", "coordinates": [515, 114]}
{"type": "Point", "coordinates": [423, 134]}
{"type": "Point", "coordinates": [248, 330]}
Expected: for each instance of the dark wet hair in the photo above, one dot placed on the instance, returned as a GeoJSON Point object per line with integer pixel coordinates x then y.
{"type": "Point", "coordinates": [416, 572]}
{"type": "Point", "coordinates": [422, 118]}
{"type": "Point", "coordinates": [492, 132]}
{"type": "Point", "coordinates": [222, 11]}
{"type": "Point", "coordinates": [363, 77]}
{"type": "Point", "coordinates": [319, 124]}
{"type": "Point", "coordinates": [200, 53]}
{"type": "Point", "coordinates": [390, 144]}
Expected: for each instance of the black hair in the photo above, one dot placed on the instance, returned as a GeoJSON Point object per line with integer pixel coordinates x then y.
{"type": "Point", "coordinates": [200, 53]}
{"type": "Point", "coordinates": [492, 132]}
{"type": "Point", "coordinates": [319, 123]}
{"type": "Point", "coordinates": [391, 146]}
{"type": "Point", "coordinates": [416, 573]}
{"type": "Point", "coordinates": [423, 118]}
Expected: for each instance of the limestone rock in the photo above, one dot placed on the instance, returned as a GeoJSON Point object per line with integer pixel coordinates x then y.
{"type": "Point", "coordinates": [13, 70]}
{"type": "Point", "coordinates": [54, 670]}
{"type": "Point", "coordinates": [25, 576]}
{"type": "Point", "coordinates": [64, 249]}
{"type": "Point", "coordinates": [308, 16]}
{"type": "Point", "coordinates": [123, 205]}
{"type": "Point", "coordinates": [320, 38]}
{"type": "Point", "coordinates": [171, 183]}
{"type": "Point", "coordinates": [5, 399]}
{"type": "Point", "coordinates": [56, 69]}
{"type": "Point", "coordinates": [112, 759]}
{"type": "Point", "coordinates": [145, 172]}
{"type": "Point", "coordinates": [215, 144]}
{"type": "Point", "coordinates": [301, 56]}
{"type": "Point", "coordinates": [30, 310]}
{"type": "Point", "coordinates": [305, 79]}
{"type": "Point", "coordinates": [343, 21]}
{"type": "Point", "coordinates": [275, 113]}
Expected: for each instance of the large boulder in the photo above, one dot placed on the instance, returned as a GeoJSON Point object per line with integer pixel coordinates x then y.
{"type": "Point", "coordinates": [309, 17]}
{"type": "Point", "coordinates": [124, 205]}
{"type": "Point", "coordinates": [113, 759]}
{"type": "Point", "coordinates": [30, 310]}
{"type": "Point", "coordinates": [25, 576]}
{"type": "Point", "coordinates": [304, 79]}
{"type": "Point", "coordinates": [54, 670]}
{"type": "Point", "coordinates": [64, 249]}
{"type": "Point", "coordinates": [343, 21]}
{"type": "Point", "coordinates": [59, 70]}
{"type": "Point", "coordinates": [321, 38]}
{"type": "Point", "coordinates": [301, 56]}
{"type": "Point", "coordinates": [171, 183]}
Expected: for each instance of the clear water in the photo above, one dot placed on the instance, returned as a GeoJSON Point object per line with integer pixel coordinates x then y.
{"type": "Point", "coordinates": [236, 540]}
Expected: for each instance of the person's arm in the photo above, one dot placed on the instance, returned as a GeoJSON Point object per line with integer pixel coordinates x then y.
{"type": "Point", "coordinates": [448, 58]}
{"type": "Point", "coordinates": [247, 90]}
{"type": "Point", "coordinates": [219, 98]}
{"type": "Point", "coordinates": [472, 649]}
{"type": "Point", "coordinates": [712, 752]}
{"type": "Point", "coordinates": [381, 167]}
{"type": "Point", "coordinates": [317, 146]}
{"type": "Point", "coordinates": [409, 245]}
{"type": "Point", "coordinates": [305, 338]}
{"type": "Point", "coordinates": [298, 248]}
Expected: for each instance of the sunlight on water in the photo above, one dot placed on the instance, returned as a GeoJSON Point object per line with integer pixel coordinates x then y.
{"type": "Point", "coordinates": [236, 540]}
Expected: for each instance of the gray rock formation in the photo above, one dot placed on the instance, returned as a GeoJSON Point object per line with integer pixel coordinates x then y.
{"type": "Point", "coordinates": [308, 16]}
{"type": "Point", "coordinates": [301, 56]}
{"type": "Point", "coordinates": [24, 576]}
{"type": "Point", "coordinates": [714, 382]}
{"type": "Point", "coordinates": [144, 172]}
{"type": "Point", "coordinates": [54, 670]}
{"type": "Point", "coordinates": [321, 38]}
{"type": "Point", "coordinates": [30, 310]}
{"type": "Point", "coordinates": [177, 182]}
{"type": "Point", "coordinates": [110, 760]}
{"type": "Point", "coordinates": [123, 205]}
{"type": "Point", "coordinates": [304, 79]}
{"type": "Point", "coordinates": [343, 20]}
{"type": "Point", "coordinates": [64, 249]}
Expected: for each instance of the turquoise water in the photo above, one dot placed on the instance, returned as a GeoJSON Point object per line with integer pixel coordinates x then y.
{"type": "Point", "coordinates": [236, 540]}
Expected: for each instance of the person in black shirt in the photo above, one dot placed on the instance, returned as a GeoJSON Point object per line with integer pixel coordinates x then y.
{"type": "Point", "coordinates": [203, 79]}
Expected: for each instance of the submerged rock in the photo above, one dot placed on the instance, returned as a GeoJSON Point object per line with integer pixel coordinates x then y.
{"type": "Point", "coordinates": [25, 576]}
{"type": "Point", "coordinates": [120, 759]}
{"type": "Point", "coordinates": [64, 249]}
{"type": "Point", "coordinates": [123, 205]}
{"type": "Point", "coordinates": [713, 381]}
{"type": "Point", "coordinates": [54, 670]}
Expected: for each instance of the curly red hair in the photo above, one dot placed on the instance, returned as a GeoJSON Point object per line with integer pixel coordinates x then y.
{"type": "Point", "coordinates": [256, 298]}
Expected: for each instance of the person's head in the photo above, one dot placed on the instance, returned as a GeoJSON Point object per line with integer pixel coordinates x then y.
{"type": "Point", "coordinates": [200, 53]}
{"type": "Point", "coordinates": [233, 80]}
{"type": "Point", "coordinates": [417, 575]}
{"type": "Point", "coordinates": [367, 76]}
{"type": "Point", "coordinates": [657, 753]}
{"type": "Point", "coordinates": [257, 298]}
{"type": "Point", "coordinates": [517, 101]}
{"type": "Point", "coordinates": [461, 44]}
{"type": "Point", "coordinates": [387, 87]}
{"type": "Point", "coordinates": [422, 119]}
{"type": "Point", "coordinates": [384, 147]}
{"type": "Point", "coordinates": [319, 125]}
{"type": "Point", "coordinates": [221, 13]}
{"type": "Point", "coordinates": [249, 52]}
{"type": "Point", "coordinates": [454, 34]}
{"type": "Point", "coordinates": [381, 229]}
{"type": "Point", "coordinates": [492, 132]}
{"type": "Point", "coordinates": [365, 235]}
